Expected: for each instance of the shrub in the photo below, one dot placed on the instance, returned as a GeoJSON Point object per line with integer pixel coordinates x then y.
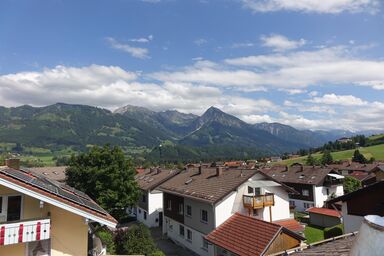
{"type": "Point", "coordinates": [106, 238]}
{"type": "Point", "coordinates": [333, 231]}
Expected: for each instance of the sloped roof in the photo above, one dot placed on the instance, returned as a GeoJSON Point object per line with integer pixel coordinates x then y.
{"type": "Point", "coordinates": [151, 178]}
{"type": "Point", "coordinates": [290, 224]}
{"type": "Point", "coordinates": [354, 166]}
{"type": "Point", "coordinates": [361, 176]}
{"type": "Point", "coordinates": [324, 211]}
{"type": "Point", "coordinates": [54, 193]}
{"type": "Point", "coordinates": [206, 186]}
{"type": "Point", "coordinates": [300, 174]}
{"type": "Point", "coordinates": [247, 236]}
{"type": "Point", "coordinates": [377, 187]}
{"type": "Point", "coordinates": [54, 173]}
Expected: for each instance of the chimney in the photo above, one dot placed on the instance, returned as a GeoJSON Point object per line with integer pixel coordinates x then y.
{"type": "Point", "coordinates": [219, 170]}
{"type": "Point", "coordinates": [200, 168]}
{"type": "Point", "coordinates": [13, 163]}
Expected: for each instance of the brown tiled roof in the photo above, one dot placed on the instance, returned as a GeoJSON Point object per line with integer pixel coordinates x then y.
{"type": "Point", "coordinates": [340, 246]}
{"type": "Point", "coordinates": [314, 175]}
{"type": "Point", "coordinates": [206, 186]}
{"type": "Point", "coordinates": [324, 211]}
{"type": "Point", "coordinates": [53, 196]}
{"type": "Point", "coordinates": [151, 178]}
{"type": "Point", "coordinates": [361, 176]}
{"type": "Point", "coordinates": [291, 224]}
{"type": "Point", "coordinates": [354, 167]}
{"type": "Point", "coordinates": [54, 173]}
{"type": "Point", "coordinates": [246, 236]}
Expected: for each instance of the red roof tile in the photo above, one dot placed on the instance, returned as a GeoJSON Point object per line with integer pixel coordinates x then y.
{"type": "Point", "coordinates": [290, 224]}
{"type": "Point", "coordinates": [245, 236]}
{"type": "Point", "coordinates": [324, 211]}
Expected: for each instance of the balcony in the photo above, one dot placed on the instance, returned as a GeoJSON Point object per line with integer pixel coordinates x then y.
{"type": "Point", "coordinates": [24, 231]}
{"type": "Point", "coordinates": [260, 201]}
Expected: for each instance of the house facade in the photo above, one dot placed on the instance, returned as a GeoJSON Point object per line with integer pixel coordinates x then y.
{"type": "Point", "coordinates": [365, 201]}
{"type": "Point", "coordinates": [197, 201]}
{"type": "Point", "coordinates": [149, 209]}
{"type": "Point", "coordinates": [41, 217]}
{"type": "Point", "coordinates": [314, 184]}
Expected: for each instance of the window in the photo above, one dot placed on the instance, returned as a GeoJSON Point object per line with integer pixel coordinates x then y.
{"type": "Point", "coordinates": [143, 198]}
{"type": "Point", "coordinates": [169, 205]}
{"type": "Point", "coordinates": [189, 210]}
{"type": "Point", "coordinates": [257, 191]}
{"type": "Point", "coordinates": [250, 190]}
{"type": "Point", "coordinates": [181, 209]}
{"type": "Point", "coordinates": [204, 216]}
{"type": "Point", "coordinates": [14, 208]}
{"type": "Point", "coordinates": [189, 235]}
{"type": "Point", "coordinates": [139, 210]}
{"type": "Point", "coordinates": [305, 192]}
{"type": "Point", "coordinates": [205, 244]}
{"type": "Point", "coordinates": [254, 212]}
{"type": "Point", "coordinates": [181, 230]}
{"type": "Point", "coordinates": [308, 205]}
{"type": "Point", "coordinates": [145, 215]}
{"type": "Point", "coordinates": [291, 203]}
{"type": "Point", "coordinates": [327, 191]}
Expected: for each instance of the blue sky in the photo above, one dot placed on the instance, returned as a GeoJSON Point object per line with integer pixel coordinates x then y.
{"type": "Point", "coordinates": [312, 64]}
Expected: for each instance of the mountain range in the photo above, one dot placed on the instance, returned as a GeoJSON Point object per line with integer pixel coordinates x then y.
{"type": "Point", "coordinates": [215, 134]}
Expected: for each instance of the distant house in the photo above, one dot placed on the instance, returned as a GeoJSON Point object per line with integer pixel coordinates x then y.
{"type": "Point", "coordinates": [54, 172]}
{"type": "Point", "coordinates": [246, 236]}
{"type": "Point", "coordinates": [324, 217]}
{"type": "Point", "coordinates": [348, 168]}
{"type": "Point", "coordinates": [275, 159]}
{"type": "Point", "coordinates": [315, 184]}
{"type": "Point", "coordinates": [378, 171]}
{"type": "Point", "coordinates": [364, 177]}
{"type": "Point", "coordinates": [344, 140]}
{"type": "Point", "coordinates": [365, 201]}
{"type": "Point", "coordinates": [235, 164]}
{"type": "Point", "coordinates": [197, 201]}
{"type": "Point", "coordinates": [149, 208]}
{"type": "Point", "coordinates": [39, 216]}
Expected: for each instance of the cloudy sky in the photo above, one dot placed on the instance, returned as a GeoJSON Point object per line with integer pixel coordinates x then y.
{"type": "Point", "coordinates": [312, 64]}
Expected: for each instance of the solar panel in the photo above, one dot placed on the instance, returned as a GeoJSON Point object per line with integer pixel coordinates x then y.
{"type": "Point", "coordinates": [69, 196]}
{"type": "Point", "coordinates": [43, 185]}
{"type": "Point", "coordinates": [17, 175]}
{"type": "Point", "coordinates": [94, 206]}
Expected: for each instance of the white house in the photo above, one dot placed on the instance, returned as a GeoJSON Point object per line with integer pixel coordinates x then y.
{"type": "Point", "coordinates": [149, 208]}
{"type": "Point", "coordinates": [314, 184]}
{"type": "Point", "coordinates": [197, 201]}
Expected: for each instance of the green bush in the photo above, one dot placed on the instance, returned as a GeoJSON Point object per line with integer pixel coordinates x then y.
{"type": "Point", "coordinates": [106, 238]}
{"type": "Point", "coordinates": [158, 253]}
{"type": "Point", "coordinates": [333, 231]}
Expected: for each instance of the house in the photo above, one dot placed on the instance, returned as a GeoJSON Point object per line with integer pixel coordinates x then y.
{"type": "Point", "coordinates": [378, 171]}
{"type": "Point", "coordinates": [365, 178]}
{"type": "Point", "coordinates": [197, 201]}
{"type": "Point", "coordinates": [344, 140]}
{"type": "Point", "coordinates": [315, 184]}
{"type": "Point", "coordinates": [246, 236]}
{"type": "Point", "coordinates": [56, 173]}
{"type": "Point", "coordinates": [149, 209]}
{"type": "Point", "coordinates": [350, 167]}
{"type": "Point", "coordinates": [355, 205]}
{"type": "Point", "coordinates": [324, 217]}
{"type": "Point", "coordinates": [39, 216]}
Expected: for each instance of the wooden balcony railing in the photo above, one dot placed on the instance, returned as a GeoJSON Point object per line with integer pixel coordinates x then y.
{"type": "Point", "coordinates": [24, 231]}
{"type": "Point", "coordinates": [260, 201]}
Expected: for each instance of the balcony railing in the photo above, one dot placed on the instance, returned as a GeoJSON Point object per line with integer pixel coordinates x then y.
{"type": "Point", "coordinates": [24, 231]}
{"type": "Point", "coordinates": [260, 201]}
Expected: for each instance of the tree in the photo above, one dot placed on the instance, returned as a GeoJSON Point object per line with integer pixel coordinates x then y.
{"type": "Point", "coordinates": [310, 160]}
{"type": "Point", "coordinates": [326, 158]}
{"type": "Point", "coordinates": [351, 184]}
{"type": "Point", "coordinates": [106, 176]}
{"type": "Point", "coordinates": [137, 240]}
{"type": "Point", "coordinates": [358, 157]}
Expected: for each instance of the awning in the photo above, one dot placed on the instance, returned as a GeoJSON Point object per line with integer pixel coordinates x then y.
{"type": "Point", "coordinates": [263, 183]}
{"type": "Point", "coordinates": [337, 176]}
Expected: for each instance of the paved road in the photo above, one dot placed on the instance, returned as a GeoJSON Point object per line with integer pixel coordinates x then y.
{"type": "Point", "coordinates": [167, 246]}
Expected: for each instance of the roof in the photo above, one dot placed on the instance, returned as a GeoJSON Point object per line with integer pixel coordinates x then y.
{"type": "Point", "coordinates": [324, 211]}
{"type": "Point", "coordinates": [338, 246]}
{"type": "Point", "coordinates": [246, 236]}
{"type": "Point", "coordinates": [375, 187]}
{"type": "Point", "coordinates": [361, 176]}
{"type": "Point", "coordinates": [151, 178]}
{"type": "Point", "coordinates": [54, 173]}
{"type": "Point", "coordinates": [291, 224]}
{"type": "Point", "coordinates": [299, 174]}
{"type": "Point", "coordinates": [354, 166]}
{"type": "Point", "coordinates": [206, 186]}
{"type": "Point", "coordinates": [54, 193]}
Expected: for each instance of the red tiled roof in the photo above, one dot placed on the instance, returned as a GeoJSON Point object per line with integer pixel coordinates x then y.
{"type": "Point", "coordinates": [324, 211]}
{"type": "Point", "coordinates": [290, 224]}
{"type": "Point", "coordinates": [245, 236]}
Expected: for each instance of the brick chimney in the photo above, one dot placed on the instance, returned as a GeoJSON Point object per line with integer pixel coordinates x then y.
{"type": "Point", "coordinates": [219, 170]}
{"type": "Point", "coordinates": [13, 163]}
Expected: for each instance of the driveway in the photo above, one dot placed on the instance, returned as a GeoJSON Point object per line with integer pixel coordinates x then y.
{"type": "Point", "coordinates": [167, 246]}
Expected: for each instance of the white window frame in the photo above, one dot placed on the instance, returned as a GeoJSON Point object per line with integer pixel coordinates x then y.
{"type": "Point", "coordinates": [306, 192]}
{"type": "Point", "coordinates": [4, 211]}
{"type": "Point", "coordinates": [181, 209]}
{"type": "Point", "coordinates": [169, 205]}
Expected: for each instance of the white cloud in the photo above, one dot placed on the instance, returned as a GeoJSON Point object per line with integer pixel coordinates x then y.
{"type": "Point", "coordinates": [280, 43]}
{"type": "Point", "coordinates": [293, 91]}
{"type": "Point", "coordinates": [200, 41]}
{"type": "Point", "coordinates": [142, 39]}
{"type": "Point", "coordinates": [342, 100]}
{"type": "Point", "coordinates": [242, 45]}
{"type": "Point", "coordinates": [137, 52]}
{"type": "Point", "coordinates": [313, 6]}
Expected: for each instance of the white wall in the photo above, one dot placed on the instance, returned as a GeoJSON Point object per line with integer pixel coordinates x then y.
{"type": "Point", "coordinates": [320, 193]}
{"type": "Point", "coordinates": [194, 245]}
{"type": "Point", "coordinates": [224, 209]}
{"type": "Point", "coordinates": [155, 205]}
{"type": "Point", "coordinates": [351, 223]}
{"type": "Point", "coordinates": [299, 204]}
{"type": "Point", "coordinates": [280, 210]}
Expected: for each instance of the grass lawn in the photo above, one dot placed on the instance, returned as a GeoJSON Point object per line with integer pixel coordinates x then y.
{"type": "Point", "coordinates": [313, 234]}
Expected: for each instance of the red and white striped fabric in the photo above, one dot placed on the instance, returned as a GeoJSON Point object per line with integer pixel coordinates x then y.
{"type": "Point", "coordinates": [25, 231]}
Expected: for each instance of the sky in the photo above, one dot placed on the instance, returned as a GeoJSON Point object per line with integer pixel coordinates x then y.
{"type": "Point", "coordinates": [311, 64]}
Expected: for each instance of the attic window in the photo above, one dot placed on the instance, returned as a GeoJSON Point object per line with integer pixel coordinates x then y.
{"type": "Point", "coordinates": [313, 177]}
{"type": "Point", "coordinates": [45, 173]}
{"type": "Point", "coordinates": [55, 172]}
{"type": "Point", "coordinates": [301, 176]}
{"type": "Point", "coordinates": [188, 181]}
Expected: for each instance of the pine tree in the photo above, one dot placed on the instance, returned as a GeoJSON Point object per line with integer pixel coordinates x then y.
{"type": "Point", "coordinates": [310, 160]}
{"type": "Point", "coordinates": [358, 157]}
{"type": "Point", "coordinates": [326, 158]}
